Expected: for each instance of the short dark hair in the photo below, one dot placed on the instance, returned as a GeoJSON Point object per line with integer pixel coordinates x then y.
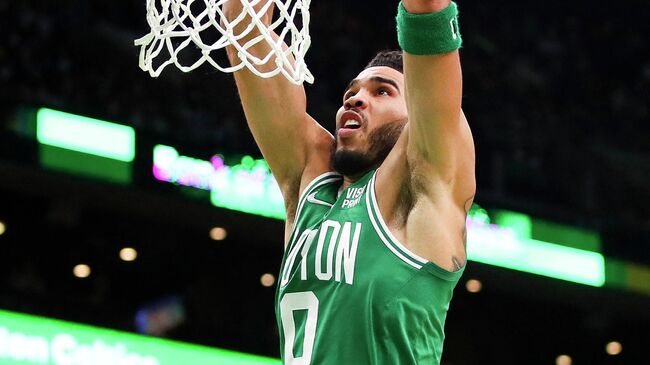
{"type": "Point", "coordinates": [388, 58]}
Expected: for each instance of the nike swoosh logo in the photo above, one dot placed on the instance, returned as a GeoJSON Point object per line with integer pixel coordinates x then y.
{"type": "Point", "coordinates": [312, 199]}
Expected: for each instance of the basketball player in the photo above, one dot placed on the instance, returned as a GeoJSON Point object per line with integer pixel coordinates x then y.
{"type": "Point", "coordinates": [375, 230]}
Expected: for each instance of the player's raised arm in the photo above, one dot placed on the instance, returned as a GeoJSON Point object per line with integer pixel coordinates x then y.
{"type": "Point", "coordinates": [435, 155]}
{"type": "Point", "coordinates": [438, 132]}
{"type": "Point", "coordinates": [295, 146]}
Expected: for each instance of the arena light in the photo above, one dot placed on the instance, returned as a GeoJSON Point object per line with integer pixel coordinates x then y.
{"type": "Point", "coordinates": [218, 233]}
{"type": "Point", "coordinates": [81, 271]}
{"type": "Point", "coordinates": [563, 360]}
{"type": "Point", "coordinates": [128, 254]}
{"type": "Point", "coordinates": [267, 280]}
{"type": "Point", "coordinates": [613, 348]}
{"type": "Point", "coordinates": [86, 135]}
{"type": "Point", "coordinates": [473, 286]}
{"type": "Point", "coordinates": [35, 340]}
{"type": "Point", "coordinates": [3, 228]}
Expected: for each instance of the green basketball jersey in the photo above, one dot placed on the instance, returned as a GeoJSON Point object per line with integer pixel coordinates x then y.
{"type": "Point", "coordinates": [349, 293]}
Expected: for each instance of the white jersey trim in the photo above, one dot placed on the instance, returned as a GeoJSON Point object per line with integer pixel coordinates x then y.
{"type": "Point", "coordinates": [389, 242]}
{"type": "Point", "coordinates": [375, 207]}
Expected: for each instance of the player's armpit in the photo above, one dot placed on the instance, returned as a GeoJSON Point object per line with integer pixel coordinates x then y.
{"type": "Point", "coordinates": [452, 172]}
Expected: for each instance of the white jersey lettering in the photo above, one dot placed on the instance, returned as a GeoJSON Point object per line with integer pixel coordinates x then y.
{"type": "Point", "coordinates": [346, 254]}
{"type": "Point", "coordinates": [336, 226]}
{"type": "Point", "coordinates": [335, 255]}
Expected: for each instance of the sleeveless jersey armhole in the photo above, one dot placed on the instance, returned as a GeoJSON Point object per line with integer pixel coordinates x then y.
{"type": "Point", "coordinates": [395, 246]}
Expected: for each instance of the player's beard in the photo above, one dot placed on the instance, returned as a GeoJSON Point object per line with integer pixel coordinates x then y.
{"type": "Point", "coordinates": [381, 142]}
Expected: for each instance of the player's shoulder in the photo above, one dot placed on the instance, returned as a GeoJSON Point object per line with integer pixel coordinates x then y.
{"type": "Point", "coordinates": [310, 194]}
{"type": "Point", "coordinates": [311, 180]}
{"type": "Point", "coordinates": [312, 185]}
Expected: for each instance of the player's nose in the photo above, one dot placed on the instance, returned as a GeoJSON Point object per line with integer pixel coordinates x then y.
{"type": "Point", "coordinates": [356, 101]}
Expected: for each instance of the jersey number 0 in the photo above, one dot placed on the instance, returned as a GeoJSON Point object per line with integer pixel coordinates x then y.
{"type": "Point", "coordinates": [291, 302]}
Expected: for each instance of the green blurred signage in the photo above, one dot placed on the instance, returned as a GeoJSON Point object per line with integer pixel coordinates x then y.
{"type": "Point", "coordinates": [86, 135]}
{"type": "Point", "coordinates": [85, 146]}
{"type": "Point", "coordinates": [33, 340]}
{"type": "Point", "coordinates": [247, 186]}
{"type": "Point", "coordinates": [499, 246]}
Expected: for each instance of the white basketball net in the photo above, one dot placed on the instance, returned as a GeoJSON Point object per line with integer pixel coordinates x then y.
{"type": "Point", "coordinates": [174, 27]}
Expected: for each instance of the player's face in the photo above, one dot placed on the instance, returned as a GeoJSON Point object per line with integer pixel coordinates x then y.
{"type": "Point", "coordinates": [370, 120]}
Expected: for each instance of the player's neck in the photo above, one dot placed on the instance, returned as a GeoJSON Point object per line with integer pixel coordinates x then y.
{"type": "Point", "coordinates": [349, 180]}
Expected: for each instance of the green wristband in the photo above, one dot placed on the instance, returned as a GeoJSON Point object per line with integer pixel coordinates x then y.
{"type": "Point", "coordinates": [428, 34]}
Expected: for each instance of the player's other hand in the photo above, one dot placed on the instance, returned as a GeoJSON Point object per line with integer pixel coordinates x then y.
{"type": "Point", "coordinates": [233, 8]}
{"type": "Point", "coordinates": [425, 6]}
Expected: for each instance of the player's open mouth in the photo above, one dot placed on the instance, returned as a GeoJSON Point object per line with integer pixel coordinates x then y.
{"type": "Point", "coordinates": [351, 124]}
{"type": "Point", "coordinates": [351, 121]}
{"type": "Point", "coordinates": [348, 128]}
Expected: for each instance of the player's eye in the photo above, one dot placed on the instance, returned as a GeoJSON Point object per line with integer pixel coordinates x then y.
{"type": "Point", "coordinates": [383, 91]}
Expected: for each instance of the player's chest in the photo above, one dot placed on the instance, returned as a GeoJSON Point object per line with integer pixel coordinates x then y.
{"type": "Point", "coordinates": [326, 250]}
{"type": "Point", "coordinates": [342, 251]}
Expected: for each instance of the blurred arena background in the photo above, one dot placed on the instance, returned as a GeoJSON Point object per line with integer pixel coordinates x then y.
{"type": "Point", "coordinates": [558, 98]}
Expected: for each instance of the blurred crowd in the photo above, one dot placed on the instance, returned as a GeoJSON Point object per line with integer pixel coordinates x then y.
{"type": "Point", "coordinates": [558, 99]}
